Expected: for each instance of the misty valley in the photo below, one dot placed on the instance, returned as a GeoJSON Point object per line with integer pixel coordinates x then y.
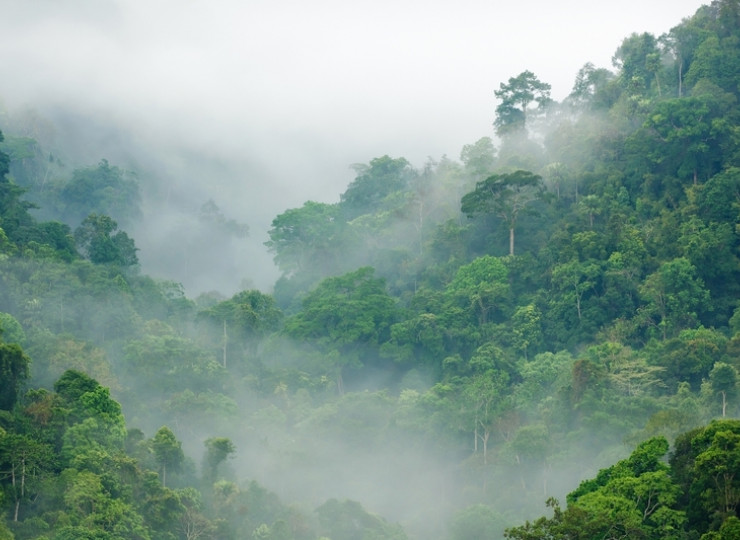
{"type": "Point", "coordinates": [539, 339]}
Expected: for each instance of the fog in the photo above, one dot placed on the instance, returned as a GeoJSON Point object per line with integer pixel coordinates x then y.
{"type": "Point", "coordinates": [258, 107]}
{"type": "Point", "coordinates": [261, 106]}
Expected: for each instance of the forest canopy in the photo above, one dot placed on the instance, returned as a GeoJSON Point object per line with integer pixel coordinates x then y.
{"type": "Point", "coordinates": [449, 350]}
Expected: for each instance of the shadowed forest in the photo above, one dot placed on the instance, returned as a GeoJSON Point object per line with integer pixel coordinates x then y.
{"type": "Point", "coordinates": [547, 325]}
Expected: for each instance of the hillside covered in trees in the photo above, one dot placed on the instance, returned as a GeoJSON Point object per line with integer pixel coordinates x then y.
{"type": "Point", "coordinates": [449, 350]}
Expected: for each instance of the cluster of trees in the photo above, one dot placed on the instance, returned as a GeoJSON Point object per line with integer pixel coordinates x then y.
{"type": "Point", "coordinates": [645, 497]}
{"type": "Point", "coordinates": [521, 317]}
{"type": "Point", "coordinates": [71, 469]}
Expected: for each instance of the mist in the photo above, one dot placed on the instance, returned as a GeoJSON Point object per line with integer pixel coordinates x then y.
{"type": "Point", "coordinates": [261, 106]}
{"type": "Point", "coordinates": [230, 113]}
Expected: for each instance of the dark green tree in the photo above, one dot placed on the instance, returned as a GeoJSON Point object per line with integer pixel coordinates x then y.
{"type": "Point", "coordinates": [24, 461]}
{"type": "Point", "coordinates": [14, 216]}
{"type": "Point", "coordinates": [675, 297]}
{"type": "Point", "coordinates": [705, 464]}
{"type": "Point", "coordinates": [516, 96]}
{"type": "Point", "coordinates": [635, 498]}
{"type": "Point", "coordinates": [100, 241]}
{"type": "Point", "coordinates": [14, 371]}
{"type": "Point", "coordinates": [505, 196]}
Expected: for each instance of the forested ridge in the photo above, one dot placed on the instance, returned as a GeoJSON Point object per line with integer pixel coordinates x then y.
{"type": "Point", "coordinates": [548, 324]}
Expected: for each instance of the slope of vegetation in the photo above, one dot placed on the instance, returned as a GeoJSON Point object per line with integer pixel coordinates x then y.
{"type": "Point", "coordinates": [446, 349]}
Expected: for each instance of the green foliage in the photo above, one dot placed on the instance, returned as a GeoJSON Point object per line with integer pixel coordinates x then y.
{"type": "Point", "coordinates": [167, 452]}
{"type": "Point", "coordinates": [217, 450]}
{"type": "Point", "coordinates": [690, 356]}
{"type": "Point", "coordinates": [374, 182]}
{"type": "Point", "coordinates": [14, 371]}
{"type": "Point", "coordinates": [675, 297]}
{"type": "Point", "coordinates": [724, 383]}
{"type": "Point", "coordinates": [614, 320]}
{"type": "Point", "coordinates": [73, 384]}
{"type": "Point", "coordinates": [637, 59]}
{"type": "Point", "coordinates": [505, 196]}
{"type": "Point", "coordinates": [170, 363]}
{"type": "Point", "coordinates": [592, 88]}
{"type": "Point", "coordinates": [103, 189]}
{"type": "Point", "coordinates": [481, 288]}
{"type": "Point", "coordinates": [25, 463]}
{"type": "Point", "coordinates": [347, 317]}
{"type": "Point", "coordinates": [704, 465]}
{"type": "Point", "coordinates": [100, 241]}
{"type": "Point", "coordinates": [302, 238]}
{"type": "Point", "coordinates": [516, 96]}
{"type": "Point", "coordinates": [243, 320]}
{"type": "Point", "coordinates": [635, 498]}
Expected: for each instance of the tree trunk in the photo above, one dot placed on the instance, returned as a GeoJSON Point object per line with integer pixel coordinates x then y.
{"type": "Point", "coordinates": [511, 240]}
{"type": "Point", "coordinates": [340, 382]}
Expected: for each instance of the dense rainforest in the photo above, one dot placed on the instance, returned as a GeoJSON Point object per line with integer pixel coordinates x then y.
{"type": "Point", "coordinates": [547, 325]}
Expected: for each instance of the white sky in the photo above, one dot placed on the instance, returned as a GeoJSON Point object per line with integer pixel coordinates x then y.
{"type": "Point", "coordinates": [300, 90]}
{"type": "Point", "coordinates": [404, 77]}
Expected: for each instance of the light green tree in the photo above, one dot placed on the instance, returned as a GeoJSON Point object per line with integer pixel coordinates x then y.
{"type": "Point", "coordinates": [167, 452]}
{"type": "Point", "coordinates": [218, 449]}
{"type": "Point", "coordinates": [346, 318]}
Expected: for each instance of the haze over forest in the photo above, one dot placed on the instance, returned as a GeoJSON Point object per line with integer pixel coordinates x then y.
{"type": "Point", "coordinates": [309, 274]}
{"type": "Point", "coordinates": [264, 105]}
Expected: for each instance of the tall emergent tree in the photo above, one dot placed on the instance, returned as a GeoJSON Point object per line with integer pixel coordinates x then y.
{"type": "Point", "coordinates": [516, 96]}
